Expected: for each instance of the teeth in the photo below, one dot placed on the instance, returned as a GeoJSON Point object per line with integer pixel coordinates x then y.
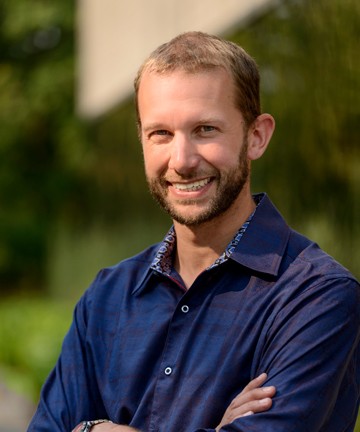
{"type": "Point", "coordinates": [191, 186]}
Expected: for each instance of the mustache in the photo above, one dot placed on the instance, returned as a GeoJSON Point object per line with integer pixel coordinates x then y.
{"type": "Point", "coordinates": [196, 175]}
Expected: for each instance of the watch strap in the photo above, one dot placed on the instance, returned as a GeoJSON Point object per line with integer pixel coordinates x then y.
{"type": "Point", "coordinates": [87, 425]}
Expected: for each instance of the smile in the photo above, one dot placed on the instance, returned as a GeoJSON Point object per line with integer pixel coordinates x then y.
{"type": "Point", "coordinates": [191, 186]}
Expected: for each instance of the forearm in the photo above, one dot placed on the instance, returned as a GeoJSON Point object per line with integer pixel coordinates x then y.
{"type": "Point", "coordinates": [254, 398]}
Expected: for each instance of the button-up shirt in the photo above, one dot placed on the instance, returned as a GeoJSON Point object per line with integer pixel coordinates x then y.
{"type": "Point", "coordinates": [144, 351]}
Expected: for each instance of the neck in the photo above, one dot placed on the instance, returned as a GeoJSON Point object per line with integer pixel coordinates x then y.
{"type": "Point", "coordinates": [198, 247]}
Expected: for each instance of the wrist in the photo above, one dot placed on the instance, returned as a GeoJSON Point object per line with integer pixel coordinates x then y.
{"type": "Point", "coordinates": [105, 427]}
{"type": "Point", "coordinates": [87, 426]}
{"type": "Point", "coordinates": [113, 427]}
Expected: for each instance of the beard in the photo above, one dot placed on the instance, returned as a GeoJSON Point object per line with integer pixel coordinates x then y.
{"type": "Point", "coordinates": [230, 185]}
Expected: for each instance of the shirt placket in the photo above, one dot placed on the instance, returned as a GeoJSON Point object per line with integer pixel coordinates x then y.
{"type": "Point", "coordinates": [168, 368]}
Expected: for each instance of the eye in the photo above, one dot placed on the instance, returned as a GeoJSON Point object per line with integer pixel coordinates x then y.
{"type": "Point", "coordinates": [206, 128]}
{"type": "Point", "coordinates": [160, 136]}
{"type": "Point", "coordinates": [160, 132]}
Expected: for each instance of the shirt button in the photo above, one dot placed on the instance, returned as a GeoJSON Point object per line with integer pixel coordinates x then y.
{"type": "Point", "coordinates": [168, 371]}
{"type": "Point", "coordinates": [185, 309]}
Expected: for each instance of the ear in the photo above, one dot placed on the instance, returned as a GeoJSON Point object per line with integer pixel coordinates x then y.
{"type": "Point", "coordinates": [259, 135]}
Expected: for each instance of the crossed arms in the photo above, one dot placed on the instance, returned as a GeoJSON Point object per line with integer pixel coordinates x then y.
{"type": "Point", "coordinates": [311, 355]}
{"type": "Point", "coordinates": [251, 400]}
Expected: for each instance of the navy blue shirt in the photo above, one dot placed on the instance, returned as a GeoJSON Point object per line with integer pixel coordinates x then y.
{"type": "Point", "coordinates": [144, 351]}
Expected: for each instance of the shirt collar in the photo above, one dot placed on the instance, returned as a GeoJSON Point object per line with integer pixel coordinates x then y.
{"type": "Point", "coordinates": [261, 249]}
{"type": "Point", "coordinates": [163, 260]}
{"type": "Point", "coordinates": [263, 246]}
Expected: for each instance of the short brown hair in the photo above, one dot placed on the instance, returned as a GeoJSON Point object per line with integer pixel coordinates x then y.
{"type": "Point", "coordinates": [193, 52]}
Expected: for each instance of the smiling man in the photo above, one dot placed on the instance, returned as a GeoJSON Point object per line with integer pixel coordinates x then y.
{"type": "Point", "coordinates": [197, 151]}
{"type": "Point", "coordinates": [168, 340]}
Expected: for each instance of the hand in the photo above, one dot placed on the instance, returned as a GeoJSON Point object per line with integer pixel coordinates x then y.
{"type": "Point", "coordinates": [112, 427]}
{"type": "Point", "coordinates": [251, 400]}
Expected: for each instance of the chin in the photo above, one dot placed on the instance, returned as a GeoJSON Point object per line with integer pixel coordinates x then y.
{"type": "Point", "coordinates": [194, 219]}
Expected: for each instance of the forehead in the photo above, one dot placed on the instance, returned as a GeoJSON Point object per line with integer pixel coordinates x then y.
{"type": "Point", "coordinates": [216, 73]}
{"type": "Point", "coordinates": [180, 88]}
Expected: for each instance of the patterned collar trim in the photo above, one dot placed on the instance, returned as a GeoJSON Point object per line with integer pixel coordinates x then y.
{"type": "Point", "coordinates": [163, 260]}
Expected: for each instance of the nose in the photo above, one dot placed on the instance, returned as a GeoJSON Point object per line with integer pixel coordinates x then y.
{"type": "Point", "coordinates": [184, 156]}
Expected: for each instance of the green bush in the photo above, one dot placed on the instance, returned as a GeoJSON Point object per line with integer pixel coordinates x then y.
{"type": "Point", "coordinates": [31, 332]}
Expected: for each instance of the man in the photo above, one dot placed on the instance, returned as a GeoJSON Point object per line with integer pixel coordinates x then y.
{"type": "Point", "coordinates": [169, 339]}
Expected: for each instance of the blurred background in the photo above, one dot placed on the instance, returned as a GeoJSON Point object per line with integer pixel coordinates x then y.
{"type": "Point", "coordinates": [72, 190]}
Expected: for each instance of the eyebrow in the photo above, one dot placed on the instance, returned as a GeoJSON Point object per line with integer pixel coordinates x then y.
{"type": "Point", "coordinates": [210, 120]}
{"type": "Point", "coordinates": [201, 121]}
{"type": "Point", "coordinates": [153, 126]}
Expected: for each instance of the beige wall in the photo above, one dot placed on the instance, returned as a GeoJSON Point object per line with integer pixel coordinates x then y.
{"type": "Point", "coordinates": [115, 36]}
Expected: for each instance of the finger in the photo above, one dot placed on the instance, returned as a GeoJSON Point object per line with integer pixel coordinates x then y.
{"type": "Point", "coordinates": [256, 382]}
{"type": "Point", "coordinates": [249, 408]}
{"type": "Point", "coordinates": [256, 406]}
{"type": "Point", "coordinates": [252, 395]}
{"type": "Point", "coordinates": [260, 405]}
{"type": "Point", "coordinates": [248, 413]}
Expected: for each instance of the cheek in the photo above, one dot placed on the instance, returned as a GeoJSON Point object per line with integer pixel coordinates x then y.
{"type": "Point", "coordinates": [222, 157]}
{"type": "Point", "coordinates": [224, 153]}
{"type": "Point", "coordinates": [155, 160]}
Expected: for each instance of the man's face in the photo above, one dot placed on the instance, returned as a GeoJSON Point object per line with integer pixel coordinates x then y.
{"type": "Point", "coordinates": [194, 143]}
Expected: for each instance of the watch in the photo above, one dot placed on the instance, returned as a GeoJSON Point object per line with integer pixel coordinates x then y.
{"type": "Point", "coordinates": [86, 426]}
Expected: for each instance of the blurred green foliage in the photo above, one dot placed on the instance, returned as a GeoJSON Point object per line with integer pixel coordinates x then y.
{"type": "Point", "coordinates": [31, 331]}
{"type": "Point", "coordinates": [41, 141]}
{"type": "Point", "coordinates": [73, 196]}
{"type": "Point", "coordinates": [308, 56]}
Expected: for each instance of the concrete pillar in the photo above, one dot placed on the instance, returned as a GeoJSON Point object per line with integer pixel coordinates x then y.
{"type": "Point", "coordinates": [115, 36]}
